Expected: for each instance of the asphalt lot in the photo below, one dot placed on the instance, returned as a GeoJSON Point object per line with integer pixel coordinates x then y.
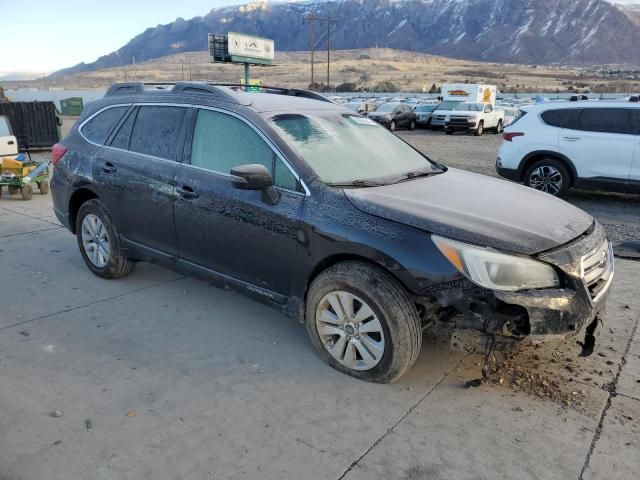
{"type": "Point", "coordinates": [178, 379]}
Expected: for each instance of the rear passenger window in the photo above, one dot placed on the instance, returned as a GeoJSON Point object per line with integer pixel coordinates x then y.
{"type": "Point", "coordinates": [99, 127]}
{"type": "Point", "coordinates": [221, 142]}
{"type": "Point", "coordinates": [563, 118]}
{"type": "Point", "coordinates": [606, 120]}
{"type": "Point", "coordinates": [156, 131]}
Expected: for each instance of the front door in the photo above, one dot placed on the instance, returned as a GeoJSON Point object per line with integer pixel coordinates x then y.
{"type": "Point", "coordinates": [137, 172]}
{"type": "Point", "coordinates": [229, 231]}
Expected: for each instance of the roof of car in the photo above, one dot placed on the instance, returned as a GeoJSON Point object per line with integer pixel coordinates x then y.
{"type": "Point", "coordinates": [562, 104]}
{"type": "Point", "coordinates": [267, 99]}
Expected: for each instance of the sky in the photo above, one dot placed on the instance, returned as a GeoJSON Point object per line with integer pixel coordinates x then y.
{"type": "Point", "coordinates": [41, 36]}
{"type": "Point", "coordinates": [45, 35]}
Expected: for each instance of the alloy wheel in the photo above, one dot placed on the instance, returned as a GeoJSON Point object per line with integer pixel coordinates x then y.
{"type": "Point", "coordinates": [95, 240]}
{"type": "Point", "coordinates": [547, 179]}
{"type": "Point", "coordinates": [350, 330]}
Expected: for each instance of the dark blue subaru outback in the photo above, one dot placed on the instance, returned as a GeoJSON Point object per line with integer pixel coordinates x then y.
{"type": "Point", "coordinates": [325, 215]}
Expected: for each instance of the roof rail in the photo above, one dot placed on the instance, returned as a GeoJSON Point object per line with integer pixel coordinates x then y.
{"type": "Point", "coordinates": [220, 90]}
{"type": "Point", "coordinates": [294, 92]}
{"type": "Point", "coordinates": [124, 89]}
{"type": "Point", "coordinates": [195, 88]}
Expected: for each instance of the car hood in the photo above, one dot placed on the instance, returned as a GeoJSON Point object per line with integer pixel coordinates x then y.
{"type": "Point", "coordinates": [477, 209]}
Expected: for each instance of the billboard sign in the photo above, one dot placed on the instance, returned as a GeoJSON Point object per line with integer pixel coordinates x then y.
{"type": "Point", "coordinates": [250, 49]}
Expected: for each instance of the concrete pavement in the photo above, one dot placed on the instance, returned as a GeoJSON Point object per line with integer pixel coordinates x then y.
{"type": "Point", "coordinates": [182, 380]}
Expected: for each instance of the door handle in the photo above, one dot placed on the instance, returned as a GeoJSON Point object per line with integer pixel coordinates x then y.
{"type": "Point", "coordinates": [11, 142]}
{"type": "Point", "coordinates": [571, 139]}
{"type": "Point", "coordinates": [109, 167]}
{"type": "Point", "coordinates": [187, 192]}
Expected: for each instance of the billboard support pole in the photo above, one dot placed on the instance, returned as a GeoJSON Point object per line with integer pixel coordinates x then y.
{"type": "Point", "coordinates": [246, 77]}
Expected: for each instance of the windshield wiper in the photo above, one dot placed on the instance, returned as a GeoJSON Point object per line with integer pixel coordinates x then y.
{"type": "Point", "coordinates": [359, 184]}
{"type": "Point", "coordinates": [419, 173]}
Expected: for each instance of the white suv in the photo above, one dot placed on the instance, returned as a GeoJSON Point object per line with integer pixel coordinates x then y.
{"type": "Point", "coordinates": [557, 145]}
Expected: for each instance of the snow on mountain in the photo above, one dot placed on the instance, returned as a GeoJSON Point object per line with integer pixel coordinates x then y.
{"type": "Point", "coordinates": [513, 31]}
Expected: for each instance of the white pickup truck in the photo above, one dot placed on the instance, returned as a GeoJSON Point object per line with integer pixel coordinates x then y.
{"type": "Point", "coordinates": [474, 117]}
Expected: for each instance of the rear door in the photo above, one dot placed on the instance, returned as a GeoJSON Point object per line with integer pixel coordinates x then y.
{"type": "Point", "coordinates": [229, 231]}
{"type": "Point", "coordinates": [601, 144]}
{"type": "Point", "coordinates": [634, 173]}
{"type": "Point", "coordinates": [137, 171]}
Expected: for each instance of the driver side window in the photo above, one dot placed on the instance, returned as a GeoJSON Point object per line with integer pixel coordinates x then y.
{"type": "Point", "coordinates": [222, 141]}
{"type": "Point", "coordinates": [488, 109]}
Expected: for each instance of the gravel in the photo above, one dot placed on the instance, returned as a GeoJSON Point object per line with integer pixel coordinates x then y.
{"type": "Point", "coordinates": [619, 213]}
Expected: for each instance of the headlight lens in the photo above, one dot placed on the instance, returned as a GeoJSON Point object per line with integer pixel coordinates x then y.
{"type": "Point", "coordinates": [494, 270]}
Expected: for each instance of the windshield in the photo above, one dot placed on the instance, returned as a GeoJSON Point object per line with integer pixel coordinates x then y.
{"type": "Point", "coordinates": [386, 107]}
{"type": "Point", "coordinates": [425, 108]}
{"type": "Point", "coordinates": [345, 148]}
{"type": "Point", "coordinates": [470, 107]}
{"type": "Point", "coordinates": [448, 105]}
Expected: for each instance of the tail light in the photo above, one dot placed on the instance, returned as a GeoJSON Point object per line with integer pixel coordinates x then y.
{"type": "Point", "coordinates": [509, 136]}
{"type": "Point", "coordinates": [57, 151]}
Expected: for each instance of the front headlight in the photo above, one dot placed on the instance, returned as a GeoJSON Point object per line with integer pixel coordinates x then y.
{"type": "Point", "coordinates": [494, 270]}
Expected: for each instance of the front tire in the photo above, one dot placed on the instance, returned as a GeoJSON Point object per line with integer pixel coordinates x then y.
{"type": "Point", "coordinates": [480, 130]}
{"type": "Point", "coordinates": [392, 126]}
{"type": "Point", "coordinates": [99, 242]}
{"type": "Point", "coordinates": [412, 125]}
{"type": "Point", "coordinates": [362, 323]}
{"type": "Point", "coordinates": [548, 175]}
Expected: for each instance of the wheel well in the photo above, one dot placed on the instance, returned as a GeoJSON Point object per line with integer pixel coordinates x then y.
{"type": "Point", "coordinates": [339, 258]}
{"type": "Point", "coordinates": [539, 156]}
{"type": "Point", "coordinates": [75, 202]}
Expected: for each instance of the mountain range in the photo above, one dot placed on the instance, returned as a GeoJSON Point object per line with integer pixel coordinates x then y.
{"type": "Point", "coordinates": [545, 32]}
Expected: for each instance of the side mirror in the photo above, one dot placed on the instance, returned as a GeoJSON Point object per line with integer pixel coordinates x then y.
{"type": "Point", "coordinates": [251, 177]}
{"type": "Point", "coordinates": [255, 177]}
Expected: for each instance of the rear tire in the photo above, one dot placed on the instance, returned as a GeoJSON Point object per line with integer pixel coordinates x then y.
{"type": "Point", "coordinates": [112, 263]}
{"type": "Point", "coordinates": [499, 127]}
{"type": "Point", "coordinates": [449, 132]}
{"type": "Point", "coordinates": [27, 192]}
{"type": "Point", "coordinates": [397, 318]}
{"type": "Point", "coordinates": [548, 175]}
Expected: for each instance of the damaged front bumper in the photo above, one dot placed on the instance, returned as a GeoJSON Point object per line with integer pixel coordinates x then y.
{"type": "Point", "coordinates": [578, 307]}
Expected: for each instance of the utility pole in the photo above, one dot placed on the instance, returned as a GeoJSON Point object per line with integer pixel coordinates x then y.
{"type": "Point", "coordinates": [312, 19]}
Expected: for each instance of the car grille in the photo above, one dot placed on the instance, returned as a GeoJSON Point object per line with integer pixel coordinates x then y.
{"type": "Point", "coordinates": [440, 118]}
{"type": "Point", "coordinates": [597, 270]}
{"type": "Point", "coordinates": [459, 121]}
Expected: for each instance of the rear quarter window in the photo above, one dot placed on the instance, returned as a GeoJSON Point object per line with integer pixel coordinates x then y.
{"type": "Point", "coordinates": [606, 120]}
{"type": "Point", "coordinates": [561, 118]}
{"type": "Point", "coordinates": [97, 129]}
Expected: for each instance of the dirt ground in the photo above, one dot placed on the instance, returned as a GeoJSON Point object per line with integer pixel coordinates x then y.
{"type": "Point", "coordinates": [162, 376]}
